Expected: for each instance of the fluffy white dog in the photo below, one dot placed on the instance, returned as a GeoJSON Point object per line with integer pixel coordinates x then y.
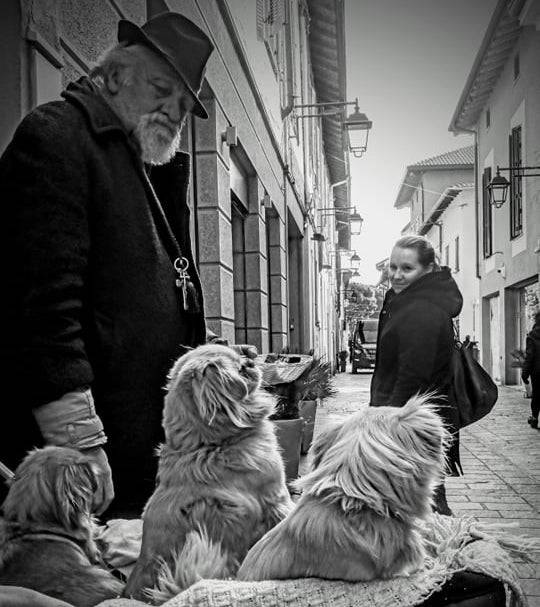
{"type": "Point", "coordinates": [221, 482]}
{"type": "Point", "coordinates": [373, 476]}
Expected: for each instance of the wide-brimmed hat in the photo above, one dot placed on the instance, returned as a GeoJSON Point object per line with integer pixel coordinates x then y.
{"type": "Point", "coordinates": [183, 45]}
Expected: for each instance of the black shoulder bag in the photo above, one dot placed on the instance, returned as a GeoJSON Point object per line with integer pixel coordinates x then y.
{"type": "Point", "coordinates": [474, 391]}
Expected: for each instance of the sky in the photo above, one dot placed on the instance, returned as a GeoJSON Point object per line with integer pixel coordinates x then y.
{"type": "Point", "coordinates": [407, 62]}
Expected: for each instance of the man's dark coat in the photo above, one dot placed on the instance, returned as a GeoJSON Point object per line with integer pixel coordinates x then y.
{"type": "Point", "coordinates": [89, 295]}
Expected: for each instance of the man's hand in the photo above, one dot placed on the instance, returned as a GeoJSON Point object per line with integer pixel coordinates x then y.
{"type": "Point", "coordinates": [105, 491]}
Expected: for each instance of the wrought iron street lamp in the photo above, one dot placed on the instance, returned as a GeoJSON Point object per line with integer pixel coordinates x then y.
{"type": "Point", "coordinates": [355, 221]}
{"type": "Point", "coordinates": [498, 186]}
{"type": "Point", "coordinates": [355, 261]}
{"type": "Point", "coordinates": [356, 125]}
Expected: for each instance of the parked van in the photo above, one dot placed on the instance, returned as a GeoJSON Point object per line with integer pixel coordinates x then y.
{"type": "Point", "coordinates": [364, 344]}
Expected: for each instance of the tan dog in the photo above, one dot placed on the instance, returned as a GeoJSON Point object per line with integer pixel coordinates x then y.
{"type": "Point", "coordinates": [46, 534]}
{"type": "Point", "coordinates": [373, 476]}
{"type": "Point", "coordinates": [221, 483]}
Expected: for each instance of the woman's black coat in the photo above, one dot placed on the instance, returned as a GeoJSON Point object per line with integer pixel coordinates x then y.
{"type": "Point", "coordinates": [89, 295]}
{"type": "Point", "coordinates": [415, 340]}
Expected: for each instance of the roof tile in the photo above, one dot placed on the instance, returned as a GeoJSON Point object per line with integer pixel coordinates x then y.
{"type": "Point", "coordinates": [455, 158]}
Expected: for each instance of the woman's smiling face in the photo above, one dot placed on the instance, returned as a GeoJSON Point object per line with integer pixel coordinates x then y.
{"type": "Point", "coordinates": [404, 268]}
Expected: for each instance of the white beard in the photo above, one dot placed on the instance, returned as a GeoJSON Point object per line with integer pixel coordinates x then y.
{"type": "Point", "coordinates": [157, 143]}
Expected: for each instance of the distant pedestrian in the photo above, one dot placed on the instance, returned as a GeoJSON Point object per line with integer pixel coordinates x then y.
{"type": "Point", "coordinates": [343, 361]}
{"type": "Point", "coordinates": [415, 340]}
{"type": "Point", "coordinates": [531, 369]}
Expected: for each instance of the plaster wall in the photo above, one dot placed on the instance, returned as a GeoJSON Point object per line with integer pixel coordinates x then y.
{"type": "Point", "coordinates": [432, 185]}
{"type": "Point", "coordinates": [513, 102]}
{"type": "Point", "coordinates": [244, 13]}
{"type": "Point", "coordinates": [458, 222]}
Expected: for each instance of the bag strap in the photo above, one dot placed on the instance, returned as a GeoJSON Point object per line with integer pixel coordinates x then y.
{"type": "Point", "coordinates": [5, 472]}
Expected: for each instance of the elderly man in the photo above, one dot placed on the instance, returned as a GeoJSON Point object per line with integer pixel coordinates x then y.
{"type": "Point", "coordinates": [100, 290]}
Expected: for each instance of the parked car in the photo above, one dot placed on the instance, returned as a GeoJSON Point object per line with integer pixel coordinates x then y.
{"type": "Point", "coordinates": [364, 344]}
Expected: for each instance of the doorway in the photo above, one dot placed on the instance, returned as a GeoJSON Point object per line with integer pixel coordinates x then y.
{"type": "Point", "coordinates": [495, 338]}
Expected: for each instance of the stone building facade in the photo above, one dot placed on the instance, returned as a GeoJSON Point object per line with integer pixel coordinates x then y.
{"type": "Point", "coordinates": [261, 166]}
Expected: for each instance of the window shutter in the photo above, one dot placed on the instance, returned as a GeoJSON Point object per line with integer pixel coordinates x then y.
{"type": "Point", "coordinates": [276, 15]}
{"type": "Point", "coordinates": [261, 4]}
{"type": "Point", "coordinates": [516, 202]}
{"type": "Point", "coordinates": [511, 188]}
{"type": "Point", "coordinates": [487, 219]}
{"type": "Point", "coordinates": [270, 17]}
{"type": "Point", "coordinates": [519, 182]}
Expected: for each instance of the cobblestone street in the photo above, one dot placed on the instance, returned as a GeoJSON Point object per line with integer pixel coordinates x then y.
{"type": "Point", "coordinates": [500, 456]}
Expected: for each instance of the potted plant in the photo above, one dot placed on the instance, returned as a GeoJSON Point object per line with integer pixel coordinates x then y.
{"type": "Point", "coordinates": [518, 360]}
{"type": "Point", "coordinates": [280, 373]}
{"type": "Point", "coordinates": [289, 427]}
{"type": "Point", "coordinates": [314, 385]}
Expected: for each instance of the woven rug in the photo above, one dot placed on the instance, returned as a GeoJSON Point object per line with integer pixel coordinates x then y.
{"type": "Point", "coordinates": [454, 544]}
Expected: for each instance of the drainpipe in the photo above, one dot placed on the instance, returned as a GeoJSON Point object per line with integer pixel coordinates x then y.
{"type": "Point", "coordinates": [476, 198]}
{"type": "Point", "coordinates": [476, 226]}
{"type": "Point", "coordinates": [338, 183]}
{"type": "Point", "coordinates": [290, 66]}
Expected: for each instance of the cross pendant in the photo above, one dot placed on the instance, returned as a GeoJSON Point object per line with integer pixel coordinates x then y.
{"type": "Point", "coordinates": [181, 265]}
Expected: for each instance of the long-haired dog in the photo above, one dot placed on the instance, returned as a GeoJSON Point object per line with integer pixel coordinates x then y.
{"type": "Point", "coordinates": [46, 541]}
{"type": "Point", "coordinates": [221, 483]}
{"type": "Point", "coordinates": [373, 476]}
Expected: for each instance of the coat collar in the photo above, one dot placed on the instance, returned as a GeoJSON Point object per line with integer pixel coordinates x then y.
{"type": "Point", "coordinates": [101, 117]}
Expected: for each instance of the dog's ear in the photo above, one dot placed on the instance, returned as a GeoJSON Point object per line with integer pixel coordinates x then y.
{"type": "Point", "coordinates": [420, 427]}
{"type": "Point", "coordinates": [75, 485]}
{"type": "Point", "coordinates": [54, 485]}
{"type": "Point", "coordinates": [219, 388]}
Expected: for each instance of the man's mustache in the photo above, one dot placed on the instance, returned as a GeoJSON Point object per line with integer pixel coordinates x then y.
{"type": "Point", "coordinates": [172, 127]}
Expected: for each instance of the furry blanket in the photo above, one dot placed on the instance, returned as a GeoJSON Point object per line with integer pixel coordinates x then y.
{"type": "Point", "coordinates": [454, 544]}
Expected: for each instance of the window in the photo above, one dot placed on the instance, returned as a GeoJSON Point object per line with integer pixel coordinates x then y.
{"type": "Point", "coordinates": [456, 255]}
{"type": "Point", "coordinates": [487, 215]}
{"type": "Point", "coordinates": [447, 255]}
{"type": "Point", "coordinates": [488, 118]}
{"type": "Point", "coordinates": [240, 281]}
{"type": "Point", "coordinates": [516, 66]}
{"type": "Point", "coordinates": [516, 194]}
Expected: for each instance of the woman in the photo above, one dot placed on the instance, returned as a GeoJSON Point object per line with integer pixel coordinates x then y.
{"type": "Point", "coordinates": [531, 369]}
{"type": "Point", "coordinates": [416, 338]}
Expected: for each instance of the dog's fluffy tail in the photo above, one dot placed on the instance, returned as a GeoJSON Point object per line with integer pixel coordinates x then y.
{"type": "Point", "coordinates": [198, 559]}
